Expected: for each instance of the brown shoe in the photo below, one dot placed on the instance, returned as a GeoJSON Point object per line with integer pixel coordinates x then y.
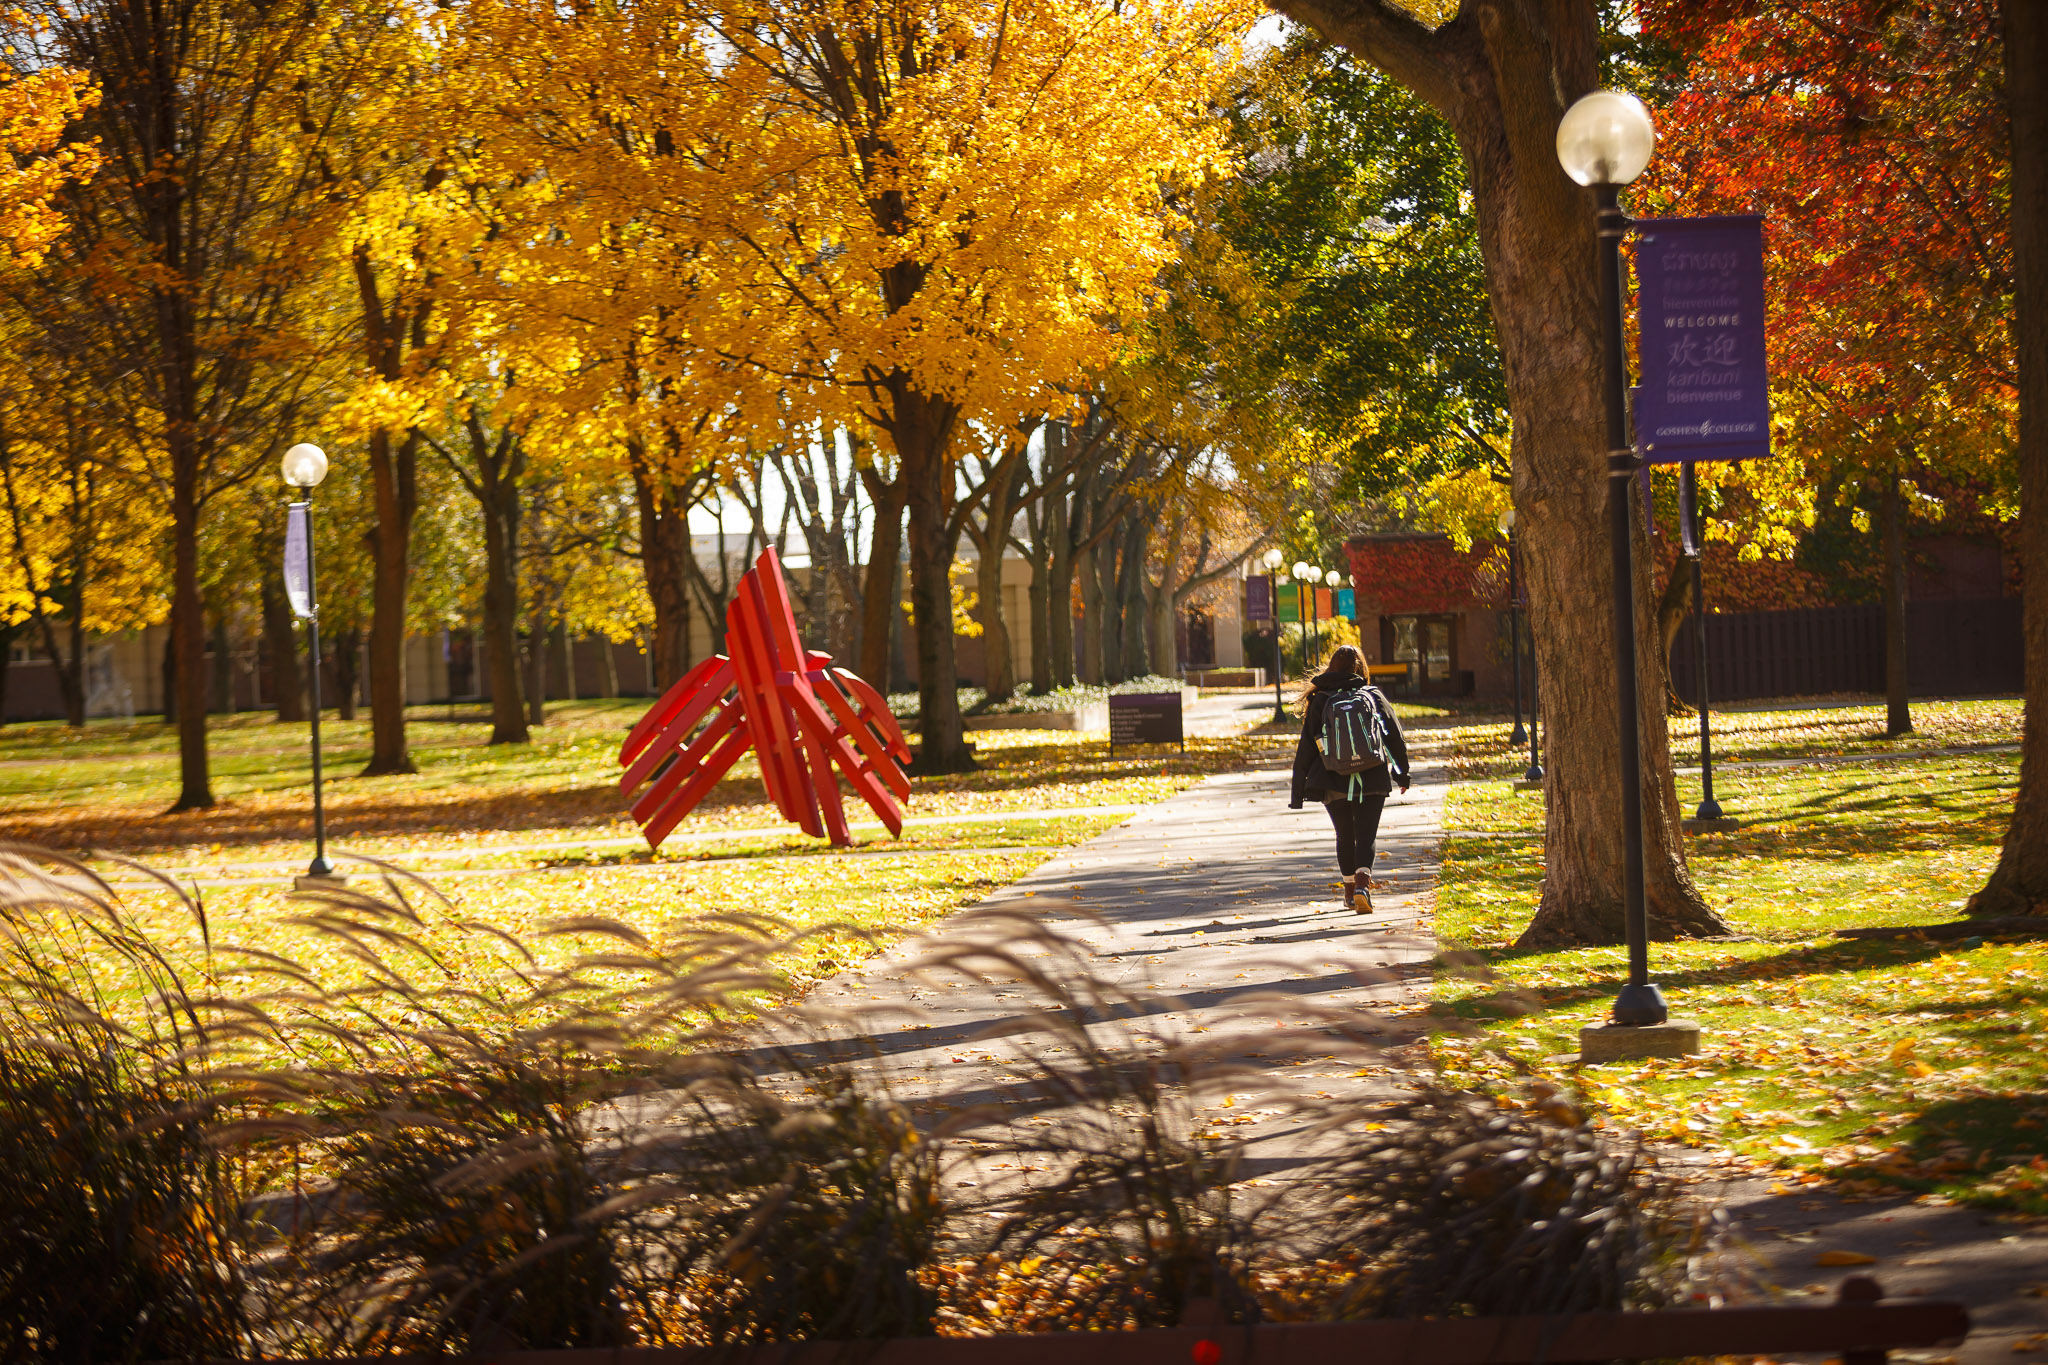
{"type": "Point", "coordinates": [1361, 897]}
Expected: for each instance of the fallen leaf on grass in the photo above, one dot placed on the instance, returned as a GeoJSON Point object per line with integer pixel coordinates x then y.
{"type": "Point", "coordinates": [1839, 1257]}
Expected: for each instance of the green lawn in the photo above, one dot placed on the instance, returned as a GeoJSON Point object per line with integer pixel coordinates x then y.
{"type": "Point", "coordinates": [1907, 1062]}
{"type": "Point", "coordinates": [108, 786]}
{"type": "Point", "coordinates": [517, 837]}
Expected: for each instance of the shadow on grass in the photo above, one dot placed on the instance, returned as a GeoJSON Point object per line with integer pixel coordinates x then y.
{"type": "Point", "coordinates": [1848, 955]}
{"type": "Point", "coordinates": [397, 809]}
{"type": "Point", "coordinates": [1968, 1149]}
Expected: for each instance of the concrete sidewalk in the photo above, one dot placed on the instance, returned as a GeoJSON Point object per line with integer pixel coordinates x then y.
{"type": "Point", "coordinates": [1221, 904]}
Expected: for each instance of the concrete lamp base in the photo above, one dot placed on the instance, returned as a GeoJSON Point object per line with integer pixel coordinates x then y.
{"type": "Point", "coordinates": [1720, 826]}
{"type": "Point", "coordinates": [1624, 1042]}
{"type": "Point", "coordinates": [1523, 784]}
{"type": "Point", "coordinates": [319, 881]}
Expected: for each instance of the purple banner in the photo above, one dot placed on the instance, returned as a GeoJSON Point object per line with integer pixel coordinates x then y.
{"type": "Point", "coordinates": [1258, 597]}
{"type": "Point", "coordinates": [1700, 315]}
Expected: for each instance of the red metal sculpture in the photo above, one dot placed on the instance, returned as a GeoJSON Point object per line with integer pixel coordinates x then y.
{"type": "Point", "coordinates": [766, 696]}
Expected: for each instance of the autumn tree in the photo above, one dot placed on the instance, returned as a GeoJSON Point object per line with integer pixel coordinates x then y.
{"type": "Point", "coordinates": [70, 523]}
{"type": "Point", "coordinates": [907, 217]}
{"type": "Point", "coordinates": [1871, 135]}
{"type": "Point", "coordinates": [38, 105]}
{"type": "Point", "coordinates": [177, 280]}
{"type": "Point", "coordinates": [1501, 73]}
{"type": "Point", "coordinates": [2019, 883]}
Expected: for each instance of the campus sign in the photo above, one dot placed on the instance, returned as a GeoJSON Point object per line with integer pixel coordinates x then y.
{"type": "Point", "coordinates": [1700, 315]}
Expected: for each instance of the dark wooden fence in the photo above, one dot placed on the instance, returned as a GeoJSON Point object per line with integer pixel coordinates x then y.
{"type": "Point", "coordinates": [1857, 1329]}
{"type": "Point", "coordinates": [1953, 648]}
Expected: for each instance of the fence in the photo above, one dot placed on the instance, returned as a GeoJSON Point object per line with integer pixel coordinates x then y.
{"type": "Point", "coordinates": [1953, 647]}
{"type": "Point", "coordinates": [1857, 1329]}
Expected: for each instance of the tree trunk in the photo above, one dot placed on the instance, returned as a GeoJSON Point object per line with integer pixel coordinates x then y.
{"type": "Point", "coordinates": [665, 560]}
{"type": "Point", "coordinates": [347, 653]}
{"type": "Point", "coordinates": [2019, 884]}
{"type": "Point", "coordinates": [394, 480]}
{"type": "Point", "coordinates": [922, 429]}
{"type": "Point", "coordinates": [997, 657]}
{"type": "Point", "coordinates": [537, 669]}
{"type": "Point", "coordinates": [501, 510]}
{"type": "Point", "coordinates": [1898, 712]}
{"type": "Point", "coordinates": [1672, 607]}
{"type": "Point", "coordinates": [878, 594]}
{"type": "Point", "coordinates": [1502, 73]}
{"type": "Point", "coordinates": [285, 675]}
{"type": "Point", "coordinates": [1038, 596]}
{"type": "Point", "coordinates": [167, 667]}
{"type": "Point", "coordinates": [1088, 661]}
{"type": "Point", "coordinates": [567, 644]}
{"type": "Point", "coordinates": [220, 673]}
{"type": "Point", "coordinates": [1131, 617]}
{"type": "Point", "coordinates": [188, 630]}
{"type": "Point", "coordinates": [1059, 597]}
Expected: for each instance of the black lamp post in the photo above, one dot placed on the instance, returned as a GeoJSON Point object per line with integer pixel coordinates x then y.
{"type": "Point", "coordinates": [1604, 142]}
{"type": "Point", "coordinates": [1507, 529]}
{"type": "Point", "coordinates": [1689, 508]}
{"type": "Point", "coordinates": [1272, 559]}
{"type": "Point", "coordinates": [1307, 576]}
{"type": "Point", "coordinates": [304, 467]}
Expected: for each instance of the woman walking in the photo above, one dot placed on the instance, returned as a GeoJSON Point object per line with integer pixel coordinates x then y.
{"type": "Point", "coordinates": [1347, 722]}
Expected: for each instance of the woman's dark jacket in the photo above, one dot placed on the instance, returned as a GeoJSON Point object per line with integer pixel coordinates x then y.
{"type": "Point", "coordinates": [1312, 779]}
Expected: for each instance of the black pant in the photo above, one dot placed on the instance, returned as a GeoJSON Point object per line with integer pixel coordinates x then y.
{"type": "Point", "coordinates": [1358, 824]}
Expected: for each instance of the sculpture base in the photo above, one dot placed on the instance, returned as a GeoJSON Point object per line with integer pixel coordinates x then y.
{"type": "Point", "coordinates": [1623, 1042]}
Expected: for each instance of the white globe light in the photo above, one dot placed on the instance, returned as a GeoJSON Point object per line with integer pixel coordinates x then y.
{"type": "Point", "coordinates": [1333, 578]}
{"type": "Point", "coordinates": [1605, 139]}
{"type": "Point", "coordinates": [1507, 521]}
{"type": "Point", "coordinates": [1303, 569]}
{"type": "Point", "coordinates": [305, 465]}
{"type": "Point", "coordinates": [1274, 558]}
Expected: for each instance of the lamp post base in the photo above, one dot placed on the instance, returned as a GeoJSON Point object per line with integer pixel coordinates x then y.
{"type": "Point", "coordinates": [1625, 1042]}
{"type": "Point", "coordinates": [319, 876]}
{"type": "Point", "coordinates": [1518, 737]}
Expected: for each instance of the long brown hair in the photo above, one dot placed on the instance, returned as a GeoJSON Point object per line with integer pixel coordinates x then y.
{"type": "Point", "coordinates": [1345, 662]}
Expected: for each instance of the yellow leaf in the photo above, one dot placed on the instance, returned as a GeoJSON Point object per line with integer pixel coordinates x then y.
{"type": "Point", "coordinates": [1844, 1258]}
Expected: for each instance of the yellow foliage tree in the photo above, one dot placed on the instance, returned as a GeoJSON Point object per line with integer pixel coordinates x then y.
{"type": "Point", "coordinates": [36, 106]}
{"type": "Point", "coordinates": [909, 217]}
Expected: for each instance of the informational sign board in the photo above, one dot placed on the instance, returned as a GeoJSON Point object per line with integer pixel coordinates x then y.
{"type": "Point", "coordinates": [298, 558]}
{"type": "Point", "coordinates": [1700, 313]}
{"type": "Point", "coordinates": [1347, 604]}
{"type": "Point", "coordinates": [1258, 597]}
{"type": "Point", "coordinates": [1145, 718]}
{"type": "Point", "coordinates": [1287, 602]}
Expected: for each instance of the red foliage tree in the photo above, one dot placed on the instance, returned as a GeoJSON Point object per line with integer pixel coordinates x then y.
{"type": "Point", "coordinates": [1872, 135]}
